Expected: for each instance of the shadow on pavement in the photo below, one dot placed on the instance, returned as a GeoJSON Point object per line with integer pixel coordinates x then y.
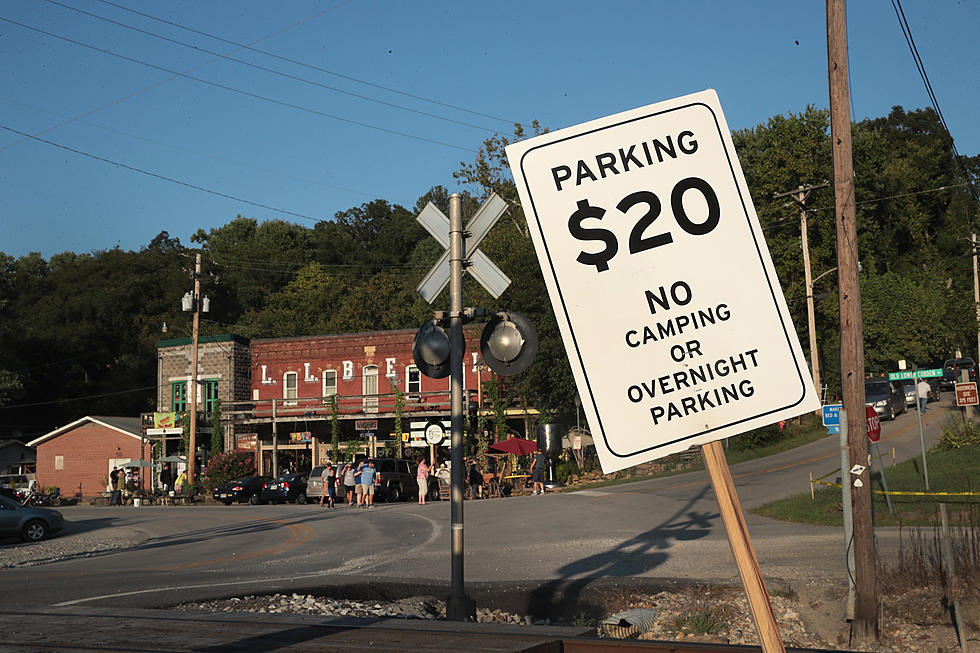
{"type": "Point", "coordinates": [633, 557]}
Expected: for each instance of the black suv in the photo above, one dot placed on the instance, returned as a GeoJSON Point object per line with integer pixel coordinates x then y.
{"type": "Point", "coordinates": [952, 369]}
{"type": "Point", "coordinates": [396, 478]}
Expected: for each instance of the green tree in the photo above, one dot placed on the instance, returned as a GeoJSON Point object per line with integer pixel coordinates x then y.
{"type": "Point", "coordinates": [335, 427]}
{"type": "Point", "coordinates": [217, 433]}
{"type": "Point", "coordinates": [252, 260]}
{"type": "Point", "coordinates": [399, 410]}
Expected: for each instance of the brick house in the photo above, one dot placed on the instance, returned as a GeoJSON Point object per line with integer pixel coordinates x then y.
{"type": "Point", "coordinates": [78, 457]}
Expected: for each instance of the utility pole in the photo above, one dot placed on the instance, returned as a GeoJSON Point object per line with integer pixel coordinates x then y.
{"type": "Point", "coordinates": [192, 444]}
{"type": "Point", "coordinates": [976, 290]}
{"type": "Point", "coordinates": [865, 623]}
{"type": "Point", "coordinates": [800, 196]}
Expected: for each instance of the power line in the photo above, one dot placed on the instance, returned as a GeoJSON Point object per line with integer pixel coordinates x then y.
{"type": "Point", "coordinates": [271, 70]}
{"type": "Point", "coordinates": [286, 267]}
{"type": "Point", "coordinates": [85, 398]}
{"type": "Point", "coordinates": [777, 223]}
{"type": "Point", "coordinates": [239, 91]}
{"type": "Point", "coordinates": [158, 176]}
{"type": "Point", "coordinates": [310, 66]}
{"type": "Point", "coordinates": [907, 32]}
{"type": "Point", "coordinates": [247, 166]}
{"type": "Point", "coordinates": [164, 81]}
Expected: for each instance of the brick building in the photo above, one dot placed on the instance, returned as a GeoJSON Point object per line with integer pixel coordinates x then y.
{"type": "Point", "coordinates": [302, 375]}
{"type": "Point", "coordinates": [222, 369]}
{"type": "Point", "coordinates": [278, 394]}
{"type": "Point", "coordinates": [78, 457]}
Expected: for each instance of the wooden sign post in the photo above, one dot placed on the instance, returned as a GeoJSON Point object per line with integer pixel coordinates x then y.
{"type": "Point", "coordinates": [638, 219]}
{"type": "Point", "coordinates": [741, 543]}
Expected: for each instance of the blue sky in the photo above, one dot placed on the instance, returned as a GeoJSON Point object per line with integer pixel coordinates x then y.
{"type": "Point", "coordinates": [414, 88]}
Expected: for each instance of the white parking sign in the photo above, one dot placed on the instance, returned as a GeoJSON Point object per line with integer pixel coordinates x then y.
{"type": "Point", "coordinates": [667, 300]}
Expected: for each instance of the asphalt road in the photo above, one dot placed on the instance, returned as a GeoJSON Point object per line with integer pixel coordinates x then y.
{"type": "Point", "coordinates": [553, 545]}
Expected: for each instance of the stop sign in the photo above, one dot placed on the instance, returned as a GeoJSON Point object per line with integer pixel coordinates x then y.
{"type": "Point", "coordinates": [874, 424]}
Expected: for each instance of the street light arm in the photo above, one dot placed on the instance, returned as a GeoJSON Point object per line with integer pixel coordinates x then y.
{"type": "Point", "coordinates": [823, 275]}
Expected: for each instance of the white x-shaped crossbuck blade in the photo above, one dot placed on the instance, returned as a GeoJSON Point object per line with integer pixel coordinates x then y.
{"type": "Point", "coordinates": [482, 268]}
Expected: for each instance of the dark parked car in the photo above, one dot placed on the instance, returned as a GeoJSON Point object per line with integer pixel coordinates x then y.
{"type": "Point", "coordinates": [287, 488]}
{"type": "Point", "coordinates": [952, 370]}
{"type": "Point", "coordinates": [29, 524]}
{"type": "Point", "coordinates": [242, 490]}
{"type": "Point", "coordinates": [396, 479]}
{"type": "Point", "coordinates": [886, 397]}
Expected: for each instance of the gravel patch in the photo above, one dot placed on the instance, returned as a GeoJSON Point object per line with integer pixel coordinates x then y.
{"type": "Point", "coordinates": [67, 546]}
{"type": "Point", "coordinates": [416, 607]}
{"type": "Point", "coordinates": [709, 614]}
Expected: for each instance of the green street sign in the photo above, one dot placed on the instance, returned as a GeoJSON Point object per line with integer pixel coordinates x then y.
{"type": "Point", "coordinates": [914, 374]}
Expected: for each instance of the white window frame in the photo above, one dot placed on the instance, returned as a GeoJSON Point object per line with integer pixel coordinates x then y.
{"type": "Point", "coordinates": [327, 391]}
{"type": "Point", "coordinates": [409, 371]}
{"type": "Point", "coordinates": [369, 388]}
{"type": "Point", "coordinates": [286, 387]}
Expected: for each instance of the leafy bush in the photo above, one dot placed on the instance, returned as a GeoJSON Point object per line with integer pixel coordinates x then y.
{"type": "Point", "coordinates": [227, 466]}
{"type": "Point", "coordinates": [773, 433]}
{"type": "Point", "coordinates": [565, 470]}
{"type": "Point", "coordinates": [958, 434]}
{"type": "Point", "coordinates": [756, 438]}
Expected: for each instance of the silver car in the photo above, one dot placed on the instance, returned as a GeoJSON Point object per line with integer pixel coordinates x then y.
{"type": "Point", "coordinates": [886, 397]}
{"type": "Point", "coordinates": [314, 485]}
{"type": "Point", "coordinates": [29, 524]}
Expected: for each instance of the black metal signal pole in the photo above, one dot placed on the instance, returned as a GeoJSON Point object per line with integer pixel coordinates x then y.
{"type": "Point", "coordinates": [459, 607]}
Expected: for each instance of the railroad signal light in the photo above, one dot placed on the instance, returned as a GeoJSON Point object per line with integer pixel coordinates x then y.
{"type": "Point", "coordinates": [508, 343]}
{"type": "Point", "coordinates": [431, 350]}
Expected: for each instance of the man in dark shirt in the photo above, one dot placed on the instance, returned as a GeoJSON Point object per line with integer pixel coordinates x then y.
{"type": "Point", "coordinates": [166, 478]}
{"type": "Point", "coordinates": [537, 471]}
{"type": "Point", "coordinates": [115, 499]}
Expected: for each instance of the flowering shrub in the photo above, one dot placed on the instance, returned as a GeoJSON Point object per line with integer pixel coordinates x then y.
{"type": "Point", "coordinates": [227, 466]}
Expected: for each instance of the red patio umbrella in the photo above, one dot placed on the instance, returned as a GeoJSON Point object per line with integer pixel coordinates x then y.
{"type": "Point", "coordinates": [518, 446]}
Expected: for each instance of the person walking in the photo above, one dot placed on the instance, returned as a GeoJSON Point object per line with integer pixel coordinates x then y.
{"type": "Point", "coordinates": [475, 478]}
{"type": "Point", "coordinates": [368, 478]}
{"type": "Point", "coordinates": [115, 499]}
{"type": "Point", "coordinates": [180, 482]}
{"type": "Point", "coordinates": [121, 486]}
{"type": "Point", "coordinates": [923, 390]}
{"type": "Point", "coordinates": [359, 488]}
{"type": "Point", "coordinates": [537, 471]}
{"type": "Point", "coordinates": [166, 478]}
{"type": "Point", "coordinates": [422, 478]}
{"type": "Point", "coordinates": [349, 482]}
{"type": "Point", "coordinates": [327, 486]}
